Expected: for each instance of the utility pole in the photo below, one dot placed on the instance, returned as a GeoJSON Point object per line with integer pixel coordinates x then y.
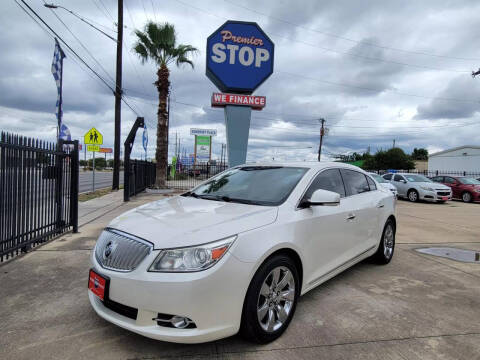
{"type": "Point", "coordinates": [393, 144]}
{"type": "Point", "coordinates": [322, 133]}
{"type": "Point", "coordinates": [118, 100]}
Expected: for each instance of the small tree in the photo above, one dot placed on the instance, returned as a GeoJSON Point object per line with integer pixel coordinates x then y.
{"type": "Point", "coordinates": [420, 154]}
{"type": "Point", "coordinates": [391, 159]}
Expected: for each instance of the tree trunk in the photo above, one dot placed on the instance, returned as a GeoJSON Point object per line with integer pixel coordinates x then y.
{"type": "Point", "coordinates": [161, 154]}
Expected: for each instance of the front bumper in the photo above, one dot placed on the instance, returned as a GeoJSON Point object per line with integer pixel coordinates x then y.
{"type": "Point", "coordinates": [436, 195]}
{"type": "Point", "coordinates": [212, 299]}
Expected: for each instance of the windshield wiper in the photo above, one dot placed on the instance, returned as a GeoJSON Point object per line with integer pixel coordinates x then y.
{"type": "Point", "coordinates": [235, 200]}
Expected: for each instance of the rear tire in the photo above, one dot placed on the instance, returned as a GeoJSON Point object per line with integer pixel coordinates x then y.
{"type": "Point", "coordinates": [412, 195]}
{"type": "Point", "coordinates": [386, 248]}
{"type": "Point", "coordinates": [466, 197]}
{"type": "Point", "coordinates": [270, 303]}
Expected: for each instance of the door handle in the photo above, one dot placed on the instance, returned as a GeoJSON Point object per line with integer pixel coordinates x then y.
{"type": "Point", "coordinates": [351, 216]}
{"type": "Point", "coordinates": [380, 206]}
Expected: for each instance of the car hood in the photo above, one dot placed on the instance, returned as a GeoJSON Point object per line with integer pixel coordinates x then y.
{"type": "Point", "coordinates": [388, 186]}
{"type": "Point", "coordinates": [185, 221]}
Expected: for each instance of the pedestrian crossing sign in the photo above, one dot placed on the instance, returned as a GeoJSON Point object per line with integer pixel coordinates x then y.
{"type": "Point", "coordinates": [93, 137]}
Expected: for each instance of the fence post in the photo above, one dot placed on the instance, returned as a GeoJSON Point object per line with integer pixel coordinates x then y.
{"type": "Point", "coordinates": [74, 187]}
{"type": "Point", "coordinates": [128, 149]}
{"type": "Point", "coordinates": [59, 181]}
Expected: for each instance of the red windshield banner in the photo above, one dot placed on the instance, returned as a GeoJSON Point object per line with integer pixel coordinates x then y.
{"type": "Point", "coordinates": [255, 102]}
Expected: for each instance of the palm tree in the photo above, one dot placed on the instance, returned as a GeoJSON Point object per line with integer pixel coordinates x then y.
{"type": "Point", "coordinates": [158, 43]}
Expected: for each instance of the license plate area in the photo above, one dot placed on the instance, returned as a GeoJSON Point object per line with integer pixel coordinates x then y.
{"type": "Point", "coordinates": [98, 284]}
{"type": "Point", "coordinates": [445, 198]}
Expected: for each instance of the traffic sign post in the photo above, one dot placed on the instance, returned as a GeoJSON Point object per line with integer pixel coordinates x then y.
{"type": "Point", "coordinates": [93, 139]}
{"type": "Point", "coordinates": [239, 59]}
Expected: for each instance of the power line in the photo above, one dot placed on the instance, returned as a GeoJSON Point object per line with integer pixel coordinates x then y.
{"type": "Point", "coordinates": [347, 38]}
{"type": "Point", "coordinates": [349, 53]}
{"type": "Point", "coordinates": [377, 90]}
{"type": "Point", "coordinates": [69, 48]}
{"type": "Point", "coordinates": [81, 43]}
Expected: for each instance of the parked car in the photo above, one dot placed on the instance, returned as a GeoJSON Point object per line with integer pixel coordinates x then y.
{"type": "Point", "coordinates": [465, 188]}
{"type": "Point", "coordinates": [235, 253]}
{"type": "Point", "coordinates": [384, 183]}
{"type": "Point", "coordinates": [416, 187]}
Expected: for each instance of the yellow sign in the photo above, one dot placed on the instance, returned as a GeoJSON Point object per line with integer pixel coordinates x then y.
{"type": "Point", "coordinates": [93, 137]}
{"type": "Point", "coordinates": [95, 148]}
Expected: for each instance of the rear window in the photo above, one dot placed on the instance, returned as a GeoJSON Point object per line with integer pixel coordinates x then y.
{"type": "Point", "coordinates": [355, 182]}
{"type": "Point", "coordinates": [387, 176]}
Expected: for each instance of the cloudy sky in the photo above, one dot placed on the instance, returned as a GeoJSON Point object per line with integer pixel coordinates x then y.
{"type": "Point", "coordinates": [375, 70]}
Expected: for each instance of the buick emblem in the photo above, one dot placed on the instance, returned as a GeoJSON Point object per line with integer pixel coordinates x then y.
{"type": "Point", "coordinates": [108, 249]}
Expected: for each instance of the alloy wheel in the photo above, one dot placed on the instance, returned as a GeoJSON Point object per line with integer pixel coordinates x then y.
{"type": "Point", "coordinates": [276, 299]}
{"type": "Point", "coordinates": [466, 197]}
{"type": "Point", "coordinates": [388, 240]}
{"type": "Point", "coordinates": [412, 196]}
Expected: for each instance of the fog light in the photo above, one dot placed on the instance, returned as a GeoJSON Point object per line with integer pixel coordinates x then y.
{"type": "Point", "coordinates": [180, 322]}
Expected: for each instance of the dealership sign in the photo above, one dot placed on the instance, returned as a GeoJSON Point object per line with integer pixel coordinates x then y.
{"type": "Point", "coordinates": [239, 57]}
{"type": "Point", "coordinates": [255, 102]}
{"type": "Point", "coordinates": [206, 132]}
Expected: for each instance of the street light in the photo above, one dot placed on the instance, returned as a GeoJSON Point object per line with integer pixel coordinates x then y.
{"type": "Point", "coordinates": [53, 6]}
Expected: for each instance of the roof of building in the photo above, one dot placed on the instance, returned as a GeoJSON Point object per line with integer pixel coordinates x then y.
{"type": "Point", "coordinates": [455, 149]}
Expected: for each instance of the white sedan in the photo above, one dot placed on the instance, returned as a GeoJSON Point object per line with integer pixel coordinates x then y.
{"type": "Point", "coordinates": [234, 254]}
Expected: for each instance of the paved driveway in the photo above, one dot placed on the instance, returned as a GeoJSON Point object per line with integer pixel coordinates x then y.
{"type": "Point", "coordinates": [418, 307]}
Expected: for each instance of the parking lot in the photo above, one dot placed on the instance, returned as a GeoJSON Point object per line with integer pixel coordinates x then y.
{"type": "Point", "coordinates": [417, 307]}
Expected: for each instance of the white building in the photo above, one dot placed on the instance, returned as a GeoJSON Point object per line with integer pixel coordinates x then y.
{"type": "Point", "coordinates": [463, 158]}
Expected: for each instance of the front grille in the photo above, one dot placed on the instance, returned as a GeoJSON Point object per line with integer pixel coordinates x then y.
{"type": "Point", "coordinates": [119, 251]}
{"type": "Point", "coordinates": [121, 309]}
{"type": "Point", "coordinates": [443, 193]}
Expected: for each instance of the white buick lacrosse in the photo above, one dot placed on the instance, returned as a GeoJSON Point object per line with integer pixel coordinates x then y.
{"type": "Point", "coordinates": [235, 253]}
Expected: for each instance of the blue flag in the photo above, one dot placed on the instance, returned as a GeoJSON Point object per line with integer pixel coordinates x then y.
{"type": "Point", "coordinates": [57, 71]}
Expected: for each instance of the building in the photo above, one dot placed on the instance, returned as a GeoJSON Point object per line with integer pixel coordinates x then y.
{"type": "Point", "coordinates": [460, 159]}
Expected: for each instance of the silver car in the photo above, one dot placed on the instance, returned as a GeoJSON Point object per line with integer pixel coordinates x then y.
{"type": "Point", "coordinates": [385, 183]}
{"type": "Point", "coordinates": [416, 187]}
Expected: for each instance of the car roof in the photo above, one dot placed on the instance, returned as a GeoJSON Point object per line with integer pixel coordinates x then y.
{"type": "Point", "coordinates": [306, 164]}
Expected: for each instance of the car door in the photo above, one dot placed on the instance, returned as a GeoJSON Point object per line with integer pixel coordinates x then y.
{"type": "Point", "coordinates": [453, 184]}
{"type": "Point", "coordinates": [325, 233]}
{"type": "Point", "coordinates": [401, 184]}
{"type": "Point", "coordinates": [365, 203]}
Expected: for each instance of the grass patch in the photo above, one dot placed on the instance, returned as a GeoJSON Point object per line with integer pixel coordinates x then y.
{"type": "Point", "coordinates": [92, 195]}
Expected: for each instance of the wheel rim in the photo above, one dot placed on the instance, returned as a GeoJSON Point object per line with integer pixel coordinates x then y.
{"type": "Point", "coordinates": [412, 196]}
{"type": "Point", "coordinates": [276, 299]}
{"type": "Point", "coordinates": [388, 240]}
{"type": "Point", "coordinates": [466, 197]}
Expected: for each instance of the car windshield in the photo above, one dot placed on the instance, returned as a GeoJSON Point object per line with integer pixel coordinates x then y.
{"type": "Point", "coordinates": [469, 181]}
{"type": "Point", "coordinates": [257, 185]}
{"type": "Point", "coordinates": [378, 178]}
{"type": "Point", "coordinates": [417, 178]}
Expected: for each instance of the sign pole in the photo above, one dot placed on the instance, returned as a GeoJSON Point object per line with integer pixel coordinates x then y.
{"type": "Point", "coordinates": [93, 182]}
{"type": "Point", "coordinates": [237, 122]}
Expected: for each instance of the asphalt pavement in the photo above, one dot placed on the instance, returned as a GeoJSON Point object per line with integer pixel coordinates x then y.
{"type": "Point", "coordinates": [417, 307]}
{"type": "Point", "coordinates": [103, 179]}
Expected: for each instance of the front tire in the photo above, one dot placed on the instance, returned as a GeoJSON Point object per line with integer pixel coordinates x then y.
{"type": "Point", "coordinates": [386, 248]}
{"type": "Point", "coordinates": [271, 300]}
{"type": "Point", "coordinates": [412, 195]}
{"type": "Point", "coordinates": [466, 197]}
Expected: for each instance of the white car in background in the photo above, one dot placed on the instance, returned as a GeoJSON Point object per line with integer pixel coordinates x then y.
{"type": "Point", "coordinates": [235, 253]}
{"type": "Point", "coordinates": [416, 187]}
{"type": "Point", "coordinates": [384, 183]}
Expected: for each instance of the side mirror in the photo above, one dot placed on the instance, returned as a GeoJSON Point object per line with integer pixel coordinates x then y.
{"type": "Point", "coordinates": [403, 181]}
{"type": "Point", "coordinates": [323, 197]}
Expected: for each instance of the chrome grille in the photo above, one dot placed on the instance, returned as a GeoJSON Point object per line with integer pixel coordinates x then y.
{"type": "Point", "coordinates": [118, 251]}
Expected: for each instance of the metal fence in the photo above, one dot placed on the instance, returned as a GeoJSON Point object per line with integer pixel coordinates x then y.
{"type": "Point", "coordinates": [187, 177]}
{"type": "Point", "coordinates": [141, 175]}
{"type": "Point", "coordinates": [38, 192]}
{"type": "Point", "coordinates": [430, 173]}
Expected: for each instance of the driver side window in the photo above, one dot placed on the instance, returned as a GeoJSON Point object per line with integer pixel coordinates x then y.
{"type": "Point", "coordinates": [330, 180]}
{"type": "Point", "coordinates": [398, 178]}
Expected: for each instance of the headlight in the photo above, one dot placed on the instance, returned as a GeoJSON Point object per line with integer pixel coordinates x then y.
{"type": "Point", "coordinates": [477, 190]}
{"type": "Point", "coordinates": [195, 258]}
{"type": "Point", "coordinates": [426, 188]}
